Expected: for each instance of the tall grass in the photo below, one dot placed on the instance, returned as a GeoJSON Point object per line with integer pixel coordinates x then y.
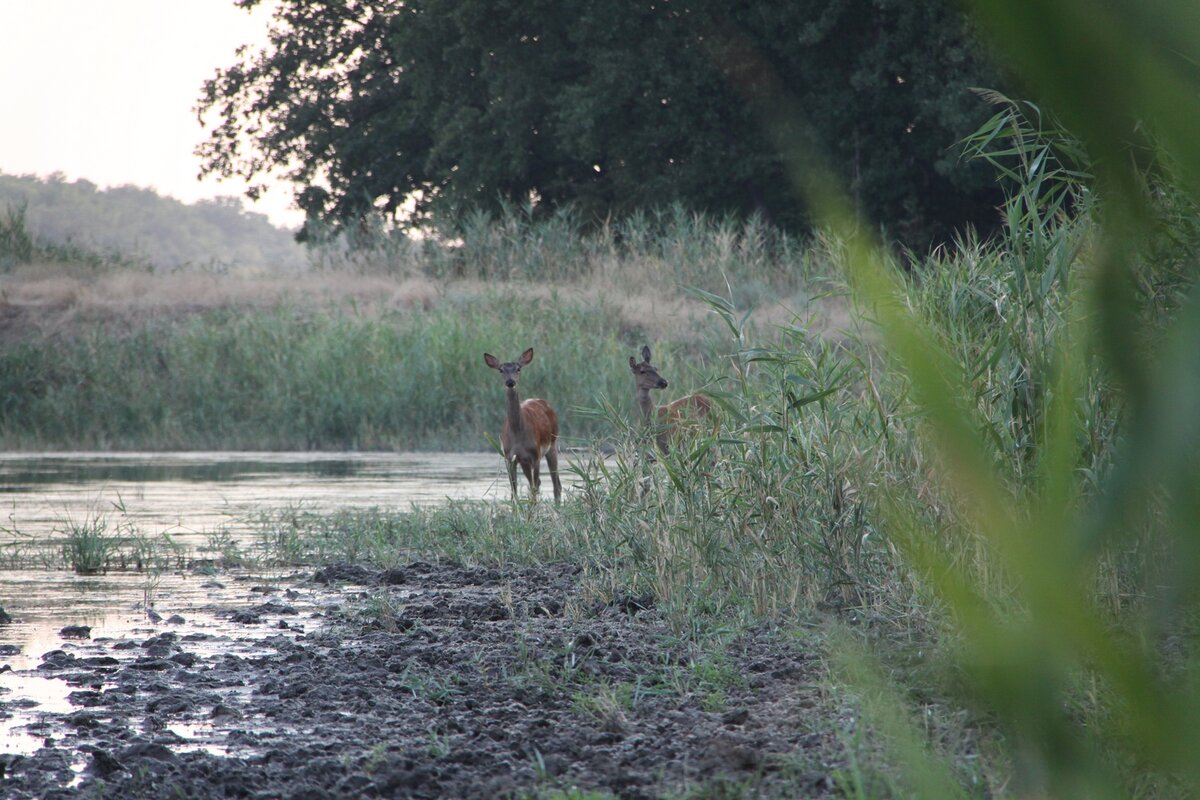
{"type": "Point", "coordinates": [663, 249]}
{"type": "Point", "coordinates": [972, 481]}
{"type": "Point", "coordinates": [1063, 434]}
{"type": "Point", "coordinates": [19, 247]}
{"type": "Point", "coordinates": [289, 378]}
{"type": "Point", "coordinates": [310, 376]}
{"type": "Point", "coordinates": [16, 244]}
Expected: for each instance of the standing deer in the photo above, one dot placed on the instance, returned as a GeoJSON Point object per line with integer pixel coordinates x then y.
{"type": "Point", "coordinates": [671, 417]}
{"type": "Point", "coordinates": [530, 430]}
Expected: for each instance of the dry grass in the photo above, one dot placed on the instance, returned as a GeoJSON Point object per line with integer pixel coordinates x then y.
{"type": "Point", "coordinates": [62, 305]}
{"type": "Point", "coordinates": [42, 301]}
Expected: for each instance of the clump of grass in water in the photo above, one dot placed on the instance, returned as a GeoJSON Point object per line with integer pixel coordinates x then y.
{"type": "Point", "coordinates": [89, 544]}
{"type": "Point", "coordinates": [96, 544]}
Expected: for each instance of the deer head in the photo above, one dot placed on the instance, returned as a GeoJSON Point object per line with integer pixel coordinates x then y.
{"type": "Point", "coordinates": [644, 374]}
{"type": "Point", "coordinates": [509, 369]}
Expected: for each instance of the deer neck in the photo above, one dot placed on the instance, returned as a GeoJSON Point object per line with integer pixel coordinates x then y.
{"type": "Point", "coordinates": [514, 409]}
{"type": "Point", "coordinates": [645, 404]}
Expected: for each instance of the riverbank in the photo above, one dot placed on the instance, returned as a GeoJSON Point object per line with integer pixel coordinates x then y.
{"type": "Point", "coordinates": [442, 680]}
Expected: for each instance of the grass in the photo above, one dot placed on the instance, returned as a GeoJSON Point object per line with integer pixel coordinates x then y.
{"type": "Point", "coordinates": [980, 490]}
{"type": "Point", "coordinates": [885, 493]}
{"type": "Point", "coordinates": [93, 544]}
{"type": "Point", "coordinates": [339, 368]}
{"type": "Point", "coordinates": [824, 496]}
{"type": "Point", "coordinates": [89, 545]}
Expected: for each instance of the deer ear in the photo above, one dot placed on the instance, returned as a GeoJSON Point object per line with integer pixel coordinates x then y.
{"type": "Point", "coordinates": [526, 357]}
{"type": "Point", "coordinates": [633, 363]}
{"type": "Point", "coordinates": [646, 353]}
{"type": "Point", "coordinates": [490, 360]}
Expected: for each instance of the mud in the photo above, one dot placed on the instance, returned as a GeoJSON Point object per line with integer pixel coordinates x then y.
{"type": "Point", "coordinates": [430, 681]}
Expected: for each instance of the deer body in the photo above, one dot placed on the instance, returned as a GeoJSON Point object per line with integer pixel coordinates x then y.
{"type": "Point", "coordinates": [530, 430]}
{"type": "Point", "coordinates": [673, 416]}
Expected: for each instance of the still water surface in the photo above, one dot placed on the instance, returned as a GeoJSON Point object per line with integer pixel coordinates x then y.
{"type": "Point", "coordinates": [189, 497]}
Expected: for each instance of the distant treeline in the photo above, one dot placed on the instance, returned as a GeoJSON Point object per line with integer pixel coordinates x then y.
{"type": "Point", "coordinates": [136, 225]}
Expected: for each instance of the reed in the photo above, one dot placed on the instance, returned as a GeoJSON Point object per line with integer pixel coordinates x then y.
{"type": "Point", "coordinates": [928, 477]}
{"type": "Point", "coordinates": [88, 545]}
{"type": "Point", "coordinates": [286, 379]}
{"type": "Point", "coordinates": [326, 371]}
{"type": "Point", "coordinates": [980, 485]}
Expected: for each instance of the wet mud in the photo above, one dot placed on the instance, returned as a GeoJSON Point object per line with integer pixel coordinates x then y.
{"type": "Point", "coordinates": [429, 681]}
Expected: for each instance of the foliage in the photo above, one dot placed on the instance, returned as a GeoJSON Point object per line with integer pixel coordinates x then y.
{"type": "Point", "coordinates": [1054, 635]}
{"type": "Point", "coordinates": [442, 109]}
{"type": "Point", "coordinates": [75, 222]}
{"type": "Point", "coordinates": [380, 374]}
{"type": "Point", "coordinates": [668, 248]}
{"type": "Point", "coordinates": [238, 380]}
{"type": "Point", "coordinates": [16, 245]}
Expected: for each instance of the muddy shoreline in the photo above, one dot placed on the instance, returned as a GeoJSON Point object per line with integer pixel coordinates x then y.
{"type": "Point", "coordinates": [430, 681]}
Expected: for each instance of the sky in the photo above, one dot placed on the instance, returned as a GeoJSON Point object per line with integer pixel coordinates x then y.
{"type": "Point", "coordinates": [105, 90]}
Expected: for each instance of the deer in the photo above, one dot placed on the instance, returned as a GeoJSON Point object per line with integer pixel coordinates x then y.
{"type": "Point", "coordinates": [669, 419]}
{"type": "Point", "coordinates": [530, 430]}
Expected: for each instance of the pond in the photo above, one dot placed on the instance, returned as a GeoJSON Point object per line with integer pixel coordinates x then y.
{"type": "Point", "coordinates": [188, 498]}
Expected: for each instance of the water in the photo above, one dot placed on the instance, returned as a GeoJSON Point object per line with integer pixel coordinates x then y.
{"type": "Point", "coordinates": [190, 498]}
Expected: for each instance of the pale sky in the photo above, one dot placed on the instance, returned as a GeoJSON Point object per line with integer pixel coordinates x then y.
{"type": "Point", "coordinates": [105, 90]}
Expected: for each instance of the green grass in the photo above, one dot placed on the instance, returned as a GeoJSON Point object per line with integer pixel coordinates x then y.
{"type": "Point", "coordinates": [884, 484]}
{"type": "Point", "coordinates": [915, 497]}
{"type": "Point", "coordinates": [380, 375]}
{"type": "Point", "coordinates": [19, 247]}
{"type": "Point", "coordinates": [89, 545]}
{"type": "Point", "coordinates": [983, 495]}
{"type": "Point", "coordinates": [93, 544]}
{"type": "Point", "coordinates": [292, 380]}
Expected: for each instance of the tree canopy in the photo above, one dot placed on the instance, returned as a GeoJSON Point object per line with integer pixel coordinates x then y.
{"type": "Point", "coordinates": [426, 109]}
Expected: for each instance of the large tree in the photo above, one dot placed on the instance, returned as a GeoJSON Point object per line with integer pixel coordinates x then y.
{"type": "Point", "coordinates": [428, 108]}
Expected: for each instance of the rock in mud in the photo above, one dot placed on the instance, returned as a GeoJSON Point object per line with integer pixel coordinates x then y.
{"type": "Point", "coordinates": [147, 751]}
{"type": "Point", "coordinates": [104, 763]}
{"type": "Point", "coordinates": [343, 572]}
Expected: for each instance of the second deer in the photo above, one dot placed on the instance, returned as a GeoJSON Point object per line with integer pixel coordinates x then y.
{"type": "Point", "coordinates": [530, 430]}
{"type": "Point", "coordinates": [672, 417]}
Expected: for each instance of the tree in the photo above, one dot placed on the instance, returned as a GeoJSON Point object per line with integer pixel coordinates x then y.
{"type": "Point", "coordinates": [425, 109]}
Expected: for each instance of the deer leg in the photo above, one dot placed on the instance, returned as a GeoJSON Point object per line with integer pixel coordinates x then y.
{"type": "Point", "coordinates": [532, 477]}
{"type": "Point", "coordinates": [552, 465]}
{"type": "Point", "coordinates": [512, 476]}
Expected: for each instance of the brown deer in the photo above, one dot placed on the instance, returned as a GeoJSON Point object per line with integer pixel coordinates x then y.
{"type": "Point", "coordinates": [671, 418]}
{"type": "Point", "coordinates": [530, 430]}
